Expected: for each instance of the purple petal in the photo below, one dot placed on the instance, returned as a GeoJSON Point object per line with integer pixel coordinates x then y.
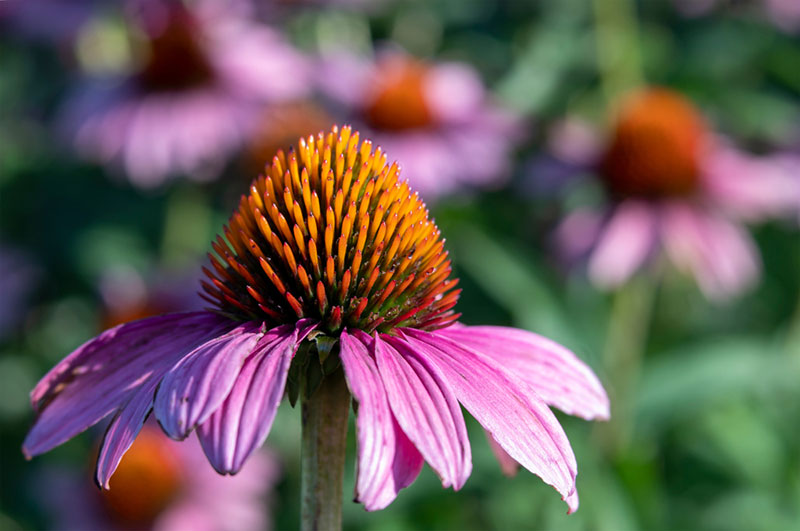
{"type": "Point", "coordinates": [505, 406]}
{"type": "Point", "coordinates": [623, 245]}
{"type": "Point", "coordinates": [124, 428]}
{"type": "Point", "coordinates": [387, 460]}
{"type": "Point", "coordinates": [197, 385]}
{"type": "Point", "coordinates": [104, 373]}
{"type": "Point", "coordinates": [241, 424]}
{"type": "Point", "coordinates": [426, 409]}
{"type": "Point", "coordinates": [559, 377]}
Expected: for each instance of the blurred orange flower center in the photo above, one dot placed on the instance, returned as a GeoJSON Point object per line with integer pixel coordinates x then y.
{"type": "Point", "coordinates": [397, 101]}
{"type": "Point", "coordinates": [175, 58]}
{"type": "Point", "coordinates": [147, 480]}
{"type": "Point", "coordinates": [655, 146]}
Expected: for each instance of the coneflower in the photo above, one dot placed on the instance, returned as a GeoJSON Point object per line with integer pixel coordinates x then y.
{"type": "Point", "coordinates": [674, 184]}
{"type": "Point", "coordinates": [331, 280]}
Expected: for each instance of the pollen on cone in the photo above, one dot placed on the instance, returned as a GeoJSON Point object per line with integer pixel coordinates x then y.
{"type": "Point", "coordinates": [330, 231]}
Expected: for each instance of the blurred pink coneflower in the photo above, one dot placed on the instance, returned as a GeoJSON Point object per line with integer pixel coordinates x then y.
{"type": "Point", "coordinates": [202, 79]}
{"type": "Point", "coordinates": [674, 185]}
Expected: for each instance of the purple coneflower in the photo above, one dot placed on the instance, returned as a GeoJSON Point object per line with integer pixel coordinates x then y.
{"type": "Point", "coordinates": [164, 485]}
{"type": "Point", "coordinates": [672, 184]}
{"type": "Point", "coordinates": [435, 117]}
{"type": "Point", "coordinates": [194, 98]}
{"type": "Point", "coordinates": [330, 276]}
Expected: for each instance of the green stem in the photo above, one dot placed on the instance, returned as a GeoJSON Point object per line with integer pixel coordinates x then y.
{"type": "Point", "coordinates": [325, 417]}
{"type": "Point", "coordinates": [617, 36]}
{"type": "Point", "coordinates": [628, 329]}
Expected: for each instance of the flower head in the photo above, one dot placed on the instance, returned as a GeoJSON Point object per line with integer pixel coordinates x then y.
{"type": "Point", "coordinates": [331, 264]}
{"type": "Point", "coordinates": [435, 117]}
{"type": "Point", "coordinates": [672, 183]}
{"type": "Point", "coordinates": [199, 78]}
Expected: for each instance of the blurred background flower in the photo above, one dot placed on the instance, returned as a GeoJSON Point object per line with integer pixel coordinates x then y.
{"type": "Point", "coordinates": [673, 185]}
{"type": "Point", "coordinates": [163, 485]}
{"type": "Point", "coordinates": [508, 111]}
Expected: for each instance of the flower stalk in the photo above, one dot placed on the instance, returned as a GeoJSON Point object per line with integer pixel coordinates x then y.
{"type": "Point", "coordinates": [324, 442]}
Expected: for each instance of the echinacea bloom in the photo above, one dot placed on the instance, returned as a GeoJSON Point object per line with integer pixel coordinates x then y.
{"type": "Point", "coordinates": [332, 257]}
{"type": "Point", "coordinates": [673, 185]}
{"type": "Point", "coordinates": [165, 486]}
{"type": "Point", "coordinates": [437, 118]}
{"type": "Point", "coordinates": [193, 99]}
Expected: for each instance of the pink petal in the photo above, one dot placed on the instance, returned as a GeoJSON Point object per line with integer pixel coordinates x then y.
{"type": "Point", "coordinates": [197, 385]}
{"type": "Point", "coordinates": [720, 254]}
{"type": "Point", "coordinates": [506, 406]}
{"type": "Point", "coordinates": [559, 377]}
{"type": "Point", "coordinates": [753, 188]}
{"type": "Point", "coordinates": [104, 373]}
{"type": "Point", "coordinates": [508, 464]}
{"type": "Point", "coordinates": [623, 245]}
{"type": "Point", "coordinates": [243, 421]}
{"type": "Point", "coordinates": [426, 409]}
{"type": "Point", "coordinates": [387, 460]}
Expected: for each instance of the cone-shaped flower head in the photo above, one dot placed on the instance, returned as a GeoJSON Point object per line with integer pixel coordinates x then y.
{"type": "Point", "coordinates": [331, 233]}
{"type": "Point", "coordinates": [331, 263]}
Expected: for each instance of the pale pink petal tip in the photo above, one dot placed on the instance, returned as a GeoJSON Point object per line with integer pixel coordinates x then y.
{"type": "Point", "coordinates": [557, 375]}
{"type": "Point", "coordinates": [624, 244]}
{"type": "Point", "coordinates": [505, 405]}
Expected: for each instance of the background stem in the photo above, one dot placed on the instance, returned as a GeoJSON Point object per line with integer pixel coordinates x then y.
{"type": "Point", "coordinates": [324, 442]}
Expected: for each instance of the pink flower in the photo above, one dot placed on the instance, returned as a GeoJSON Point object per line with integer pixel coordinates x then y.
{"type": "Point", "coordinates": [435, 117]}
{"type": "Point", "coordinates": [356, 287]}
{"type": "Point", "coordinates": [674, 186]}
{"type": "Point", "coordinates": [194, 99]}
{"type": "Point", "coordinates": [164, 485]}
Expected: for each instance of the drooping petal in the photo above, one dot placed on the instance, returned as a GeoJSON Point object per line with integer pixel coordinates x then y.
{"type": "Point", "coordinates": [718, 253]}
{"type": "Point", "coordinates": [559, 377]}
{"type": "Point", "coordinates": [196, 386]}
{"type": "Point", "coordinates": [426, 409]}
{"type": "Point", "coordinates": [101, 376]}
{"type": "Point", "coordinates": [241, 424]}
{"type": "Point", "coordinates": [387, 460]}
{"type": "Point", "coordinates": [507, 407]}
{"type": "Point", "coordinates": [122, 431]}
{"type": "Point", "coordinates": [623, 245]}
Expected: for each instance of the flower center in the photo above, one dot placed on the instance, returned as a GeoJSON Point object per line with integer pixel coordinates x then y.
{"type": "Point", "coordinates": [397, 101]}
{"type": "Point", "coordinates": [175, 57]}
{"type": "Point", "coordinates": [330, 232]}
{"type": "Point", "coordinates": [147, 480]}
{"type": "Point", "coordinates": [656, 146]}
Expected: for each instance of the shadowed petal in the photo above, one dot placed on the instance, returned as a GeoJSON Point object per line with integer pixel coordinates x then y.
{"type": "Point", "coordinates": [508, 465]}
{"type": "Point", "coordinates": [559, 377]}
{"type": "Point", "coordinates": [506, 407]}
{"type": "Point", "coordinates": [387, 460]}
{"type": "Point", "coordinates": [624, 244]}
{"type": "Point", "coordinates": [196, 386]}
{"type": "Point", "coordinates": [104, 373]}
{"type": "Point", "coordinates": [241, 424]}
{"type": "Point", "coordinates": [426, 409]}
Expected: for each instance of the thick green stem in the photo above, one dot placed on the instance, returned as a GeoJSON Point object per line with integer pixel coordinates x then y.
{"type": "Point", "coordinates": [323, 451]}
